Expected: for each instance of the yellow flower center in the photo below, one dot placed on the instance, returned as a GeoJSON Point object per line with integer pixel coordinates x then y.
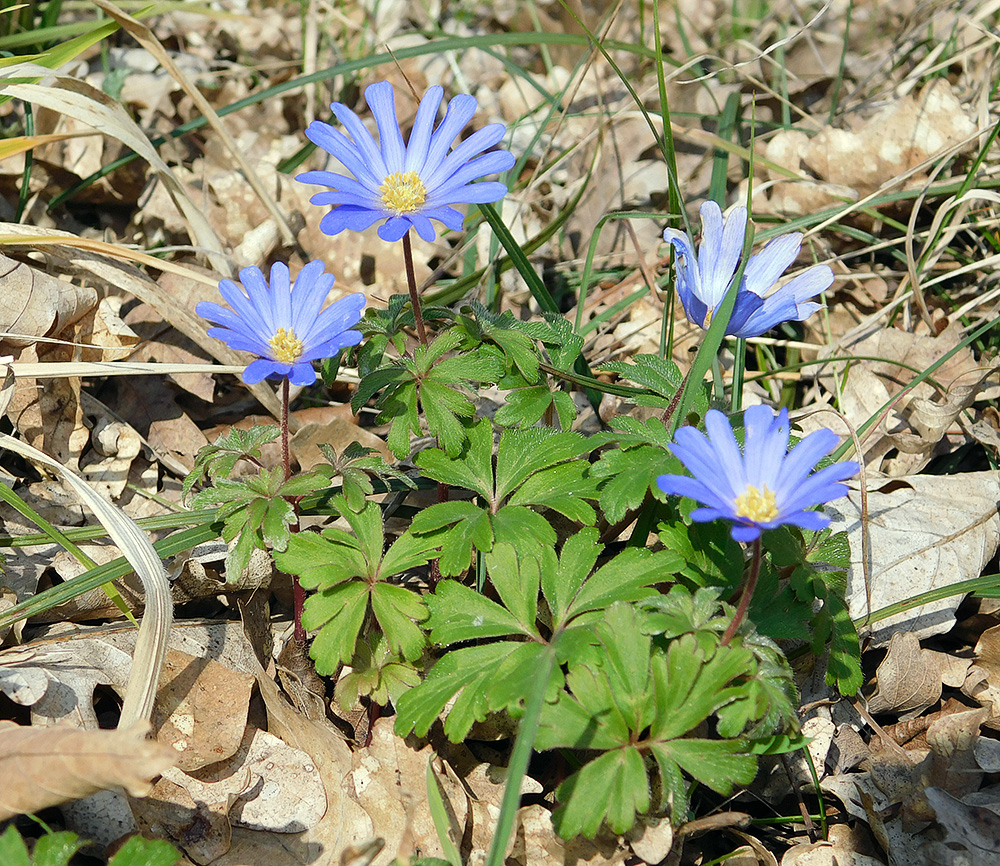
{"type": "Point", "coordinates": [756, 505]}
{"type": "Point", "coordinates": [708, 318]}
{"type": "Point", "coordinates": [286, 348]}
{"type": "Point", "coordinates": [403, 192]}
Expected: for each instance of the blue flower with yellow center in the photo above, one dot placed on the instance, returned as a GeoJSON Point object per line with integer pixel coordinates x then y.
{"type": "Point", "coordinates": [410, 184]}
{"type": "Point", "coordinates": [285, 325]}
{"type": "Point", "coordinates": [703, 275]}
{"type": "Point", "coordinates": [765, 485]}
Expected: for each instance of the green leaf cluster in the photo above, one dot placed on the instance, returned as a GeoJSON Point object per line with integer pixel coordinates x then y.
{"type": "Point", "coordinates": [431, 382]}
{"type": "Point", "coordinates": [496, 673]}
{"type": "Point", "coordinates": [219, 459]}
{"type": "Point", "coordinates": [644, 703]}
{"type": "Point", "coordinates": [535, 469]}
{"type": "Point", "coordinates": [56, 849]}
{"type": "Point", "coordinates": [376, 673]}
{"type": "Point", "coordinates": [357, 466]}
{"type": "Point", "coordinates": [351, 572]}
{"type": "Point", "coordinates": [257, 511]}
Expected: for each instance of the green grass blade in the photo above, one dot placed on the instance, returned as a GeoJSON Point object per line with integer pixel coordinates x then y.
{"type": "Point", "coordinates": [519, 758]}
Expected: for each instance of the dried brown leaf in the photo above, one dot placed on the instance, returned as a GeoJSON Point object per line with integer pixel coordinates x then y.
{"type": "Point", "coordinates": [43, 767]}
{"type": "Point", "coordinates": [906, 681]}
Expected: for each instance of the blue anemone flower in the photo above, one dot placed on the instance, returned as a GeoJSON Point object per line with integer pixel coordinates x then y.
{"type": "Point", "coordinates": [283, 324]}
{"type": "Point", "coordinates": [763, 487]}
{"type": "Point", "coordinates": [704, 276]}
{"type": "Point", "coordinates": [405, 185]}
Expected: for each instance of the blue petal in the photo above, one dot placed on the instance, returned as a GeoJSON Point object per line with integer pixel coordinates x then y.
{"type": "Point", "coordinates": [260, 369]}
{"type": "Point", "coordinates": [281, 296]}
{"type": "Point", "coordinates": [765, 445]}
{"type": "Point", "coordinates": [366, 145]}
{"type": "Point", "coordinates": [301, 374]}
{"type": "Point", "coordinates": [459, 113]}
{"type": "Point", "coordinates": [312, 285]}
{"type": "Point", "coordinates": [244, 308]}
{"type": "Point", "coordinates": [394, 228]}
{"type": "Point", "coordinates": [338, 317]}
{"type": "Point", "coordinates": [349, 217]}
{"type": "Point", "coordinates": [720, 432]}
{"type": "Point", "coordinates": [338, 145]}
{"type": "Point", "coordinates": [717, 270]}
{"type": "Point", "coordinates": [448, 215]}
{"type": "Point", "coordinates": [764, 268]}
{"type": "Point", "coordinates": [382, 101]}
{"type": "Point", "coordinates": [423, 226]}
{"type": "Point", "coordinates": [473, 193]}
{"type": "Point", "coordinates": [260, 298]}
{"type": "Point", "coordinates": [423, 125]}
{"type": "Point", "coordinates": [475, 144]}
{"type": "Point", "coordinates": [745, 532]}
{"type": "Point", "coordinates": [490, 163]}
{"type": "Point", "coordinates": [343, 184]}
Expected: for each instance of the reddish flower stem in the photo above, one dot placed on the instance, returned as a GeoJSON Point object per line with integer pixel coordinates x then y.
{"type": "Point", "coordinates": [298, 593]}
{"type": "Point", "coordinates": [411, 281]}
{"type": "Point", "coordinates": [748, 588]}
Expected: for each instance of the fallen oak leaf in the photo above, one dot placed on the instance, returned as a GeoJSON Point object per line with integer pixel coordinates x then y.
{"type": "Point", "coordinates": [44, 767]}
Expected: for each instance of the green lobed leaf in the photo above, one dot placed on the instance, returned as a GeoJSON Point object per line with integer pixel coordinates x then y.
{"type": "Point", "coordinates": [576, 560]}
{"type": "Point", "coordinates": [55, 849]}
{"type": "Point", "coordinates": [397, 610]}
{"type": "Point", "coordinates": [458, 613]}
{"type": "Point", "coordinates": [525, 406]}
{"type": "Point", "coordinates": [628, 477]}
{"type": "Point", "coordinates": [612, 788]}
{"type": "Point", "coordinates": [13, 851]}
{"type": "Point", "coordinates": [516, 580]}
{"type": "Point", "coordinates": [692, 684]}
{"type": "Point", "coordinates": [473, 470]}
{"type": "Point", "coordinates": [443, 408]}
{"type": "Point", "coordinates": [719, 764]}
{"type": "Point", "coordinates": [523, 527]}
{"type": "Point", "coordinates": [588, 718]}
{"type": "Point", "coordinates": [563, 489]}
{"type": "Point", "coordinates": [626, 664]}
{"type": "Point", "coordinates": [321, 561]}
{"type": "Point", "coordinates": [711, 557]}
{"type": "Point", "coordinates": [523, 453]}
{"type": "Point", "coordinates": [145, 852]}
{"type": "Point", "coordinates": [338, 613]}
{"type": "Point", "coordinates": [627, 577]}
{"type": "Point", "coordinates": [466, 672]}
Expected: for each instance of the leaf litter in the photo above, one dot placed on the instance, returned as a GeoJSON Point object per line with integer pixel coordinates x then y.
{"type": "Point", "coordinates": [923, 799]}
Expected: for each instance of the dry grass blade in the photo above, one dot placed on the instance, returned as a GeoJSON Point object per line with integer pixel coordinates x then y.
{"type": "Point", "coordinates": [90, 106]}
{"type": "Point", "coordinates": [142, 34]}
{"type": "Point", "coordinates": [151, 645]}
{"type": "Point", "coordinates": [44, 767]}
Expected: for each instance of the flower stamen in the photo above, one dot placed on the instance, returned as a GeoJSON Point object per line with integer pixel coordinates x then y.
{"type": "Point", "coordinates": [756, 505]}
{"type": "Point", "coordinates": [403, 192]}
{"type": "Point", "coordinates": [286, 348]}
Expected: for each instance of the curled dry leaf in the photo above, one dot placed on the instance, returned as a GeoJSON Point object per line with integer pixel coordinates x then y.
{"type": "Point", "coordinates": [909, 679]}
{"type": "Point", "coordinates": [922, 417]}
{"type": "Point", "coordinates": [37, 304]}
{"type": "Point", "coordinates": [854, 163]}
{"type": "Point", "coordinates": [43, 767]}
{"type": "Point", "coordinates": [925, 532]}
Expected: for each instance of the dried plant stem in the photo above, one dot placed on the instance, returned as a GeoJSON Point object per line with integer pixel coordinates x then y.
{"type": "Point", "coordinates": [411, 281]}
{"type": "Point", "coordinates": [748, 588]}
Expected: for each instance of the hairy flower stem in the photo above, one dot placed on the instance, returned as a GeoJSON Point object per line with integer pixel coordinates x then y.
{"type": "Point", "coordinates": [286, 460]}
{"type": "Point", "coordinates": [748, 588]}
{"type": "Point", "coordinates": [298, 593]}
{"type": "Point", "coordinates": [411, 281]}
